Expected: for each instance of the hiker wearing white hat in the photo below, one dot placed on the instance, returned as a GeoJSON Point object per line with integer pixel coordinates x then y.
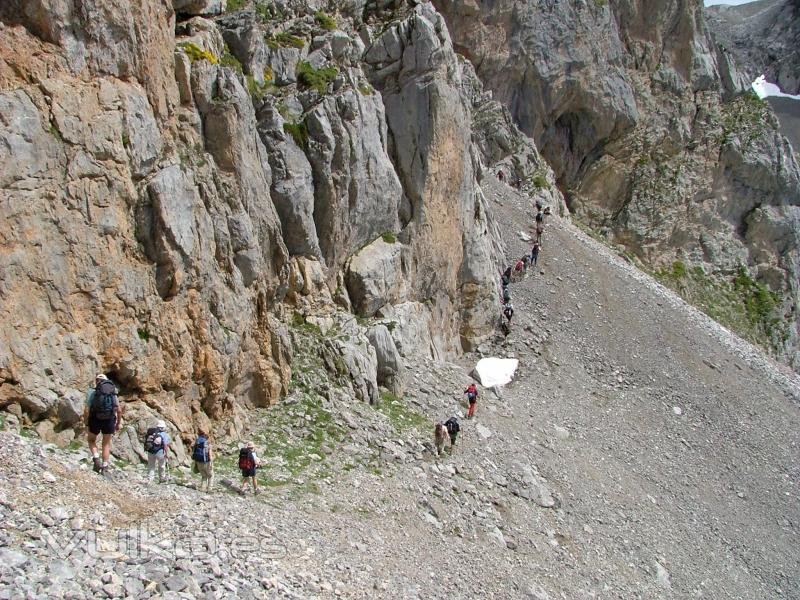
{"type": "Point", "coordinates": [101, 414]}
{"type": "Point", "coordinates": [156, 444]}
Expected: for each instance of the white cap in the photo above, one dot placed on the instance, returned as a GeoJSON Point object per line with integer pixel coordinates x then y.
{"type": "Point", "coordinates": [161, 424]}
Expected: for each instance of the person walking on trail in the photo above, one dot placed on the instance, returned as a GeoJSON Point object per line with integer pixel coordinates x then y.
{"type": "Point", "coordinates": [472, 398]}
{"type": "Point", "coordinates": [519, 270]}
{"type": "Point", "coordinates": [506, 295]}
{"type": "Point", "coordinates": [535, 254]}
{"type": "Point", "coordinates": [101, 415]}
{"type": "Point", "coordinates": [203, 459]}
{"type": "Point", "coordinates": [539, 233]}
{"type": "Point", "coordinates": [156, 444]}
{"type": "Point", "coordinates": [508, 312]}
{"type": "Point", "coordinates": [453, 428]}
{"type": "Point", "coordinates": [440, 436]}
{"type": "Point", "coordinates": [248, 463]}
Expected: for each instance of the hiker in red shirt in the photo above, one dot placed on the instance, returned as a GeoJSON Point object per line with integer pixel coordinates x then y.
{"type": "Point", "coordinates": [472, 398]}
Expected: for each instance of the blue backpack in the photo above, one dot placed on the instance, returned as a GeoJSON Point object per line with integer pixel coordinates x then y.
{"type": "Point", "coordinates": [104, 401]}
{"type": "Point", "coordinates": [200, 450]}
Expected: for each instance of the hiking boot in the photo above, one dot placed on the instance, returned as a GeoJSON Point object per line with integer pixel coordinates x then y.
{"type": "Point", "coordinates": [97, 464]}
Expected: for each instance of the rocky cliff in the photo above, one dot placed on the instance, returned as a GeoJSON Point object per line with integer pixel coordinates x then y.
{"type": "Point", "coordinates": [764, 37]}
{"type": "Point", "coordinates": [184, 184]}
{"type": "Point", "coordinates": [646, 123]}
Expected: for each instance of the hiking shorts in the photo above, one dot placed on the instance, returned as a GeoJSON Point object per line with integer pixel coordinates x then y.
{"type": "Point", "coordinates": [205, 469]}
{"type": "Point", "coordinates": [104, 426]}
{"type": "Point", "coordinates": [249, 472]}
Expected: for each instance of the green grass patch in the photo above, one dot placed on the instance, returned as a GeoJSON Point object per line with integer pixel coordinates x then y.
{"type": "Point", "coordinates": [143, 334]}
{"type": "Point", "coordinates": [230, 61]}
{"type": "Point", "coordinates": [402, 417]}
{"type": "Point", "coordinates": [389, 237]}
{"type": "Point", "coordinates": [366, 89]}
{"type": "Point", "coordinates": [195, 53]}
{"type": "Point", "coordinates": [739, 303]}
{"type": "Point", "coordinates": [325, 21]}
{"type": "Point", "coordinates": [234, 5]}
{"type": "Point", "coordinates": [284, 39]}
{"type": "Point", "coordinates": [746, 119]}
{"type": "Point", "coordinates": [298, 131]}
{"type": "Point", "coordinates": [540, 182]}
{"type": "Point", "coordinates": [316, 79]}
{"type": "Point", "coordinates": [269, 12]}
{"type": "Point", "coordinates": [55, 132]}
{"type": "Point", "coordinates": [258, 90]}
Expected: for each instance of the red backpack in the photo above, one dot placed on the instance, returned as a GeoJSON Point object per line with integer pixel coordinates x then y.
{"type": "Point", "coordinates": [246, 462]}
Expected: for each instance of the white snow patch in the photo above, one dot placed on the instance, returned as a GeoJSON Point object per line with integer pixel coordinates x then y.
{"type": "Point", "coordinates": [764, 88]}
{"type": "Point", "coordinates": [494, 371]}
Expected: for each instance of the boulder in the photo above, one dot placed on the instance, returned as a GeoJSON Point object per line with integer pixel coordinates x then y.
{"type": "Point", "coordinates": [390, 365]}
{"type": "Point", "coordinates": [70, 408]}
{"type": "Point", "coordinates": [376, 276]}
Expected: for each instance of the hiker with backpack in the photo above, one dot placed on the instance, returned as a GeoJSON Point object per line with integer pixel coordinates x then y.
{"type": "Point", "coordinates": [472, 398]}
{"type": "Point", "coordinates": [453, 428]}
{"type": "Point", "coordinates": [535, 254]}
{"type": "Point", "coordinates": [101, 415]}
{"type": "Point", "coordinates": [506, 295]}
{"type": "Point", "coordinates": [440, 435]}
{"type": "Point", "coordinates": [508, 311]}
{"type": "Point", "coordinates": [156, 444]}
{"type": "Point", "coordinates": [203, 459]}
{"type": "Point", "coordinates": [248, 463]}
{"type": "Point", "coordinates": [519, 270]}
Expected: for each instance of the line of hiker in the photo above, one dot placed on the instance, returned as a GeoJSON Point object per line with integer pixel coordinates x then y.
{"type": "Point", "coordinates": [448, 430]}
{"type": "Point", "coordinates": [103, 416]}
{"type": "Point", "coordinates": [519, 270]}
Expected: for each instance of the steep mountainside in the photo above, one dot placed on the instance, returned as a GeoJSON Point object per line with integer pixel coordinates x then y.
{"type": "Point", "coordinates": [658, 464]}
{"type": "Point", "coordinates": [646, 124]}
{"type": "Point", "coordinates": [764, 36]}
{"type": "Point", "coordinates": [181, 183]}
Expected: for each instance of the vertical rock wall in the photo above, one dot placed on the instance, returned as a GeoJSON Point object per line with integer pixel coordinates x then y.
{"type": "Point", "coordinates": [174, 187]}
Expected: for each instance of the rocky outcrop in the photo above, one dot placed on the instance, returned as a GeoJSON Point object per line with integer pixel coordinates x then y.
{"type": "Point", "coordinates": [178, 184]}
{"type": "Point", "coordinates": [644, 119]}
{"type": "Point", "coordinates": [764, 37]}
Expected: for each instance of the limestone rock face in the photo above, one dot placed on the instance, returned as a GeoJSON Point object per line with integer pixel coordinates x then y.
{"type": "Point", "coordinates": [178, 183]}
{"type": "Point", "coordinates": [643, 118]}
{"type": "Point", "coordinates": [137, 253]}
{"type": "Point", "coordinates": [415, 68]}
